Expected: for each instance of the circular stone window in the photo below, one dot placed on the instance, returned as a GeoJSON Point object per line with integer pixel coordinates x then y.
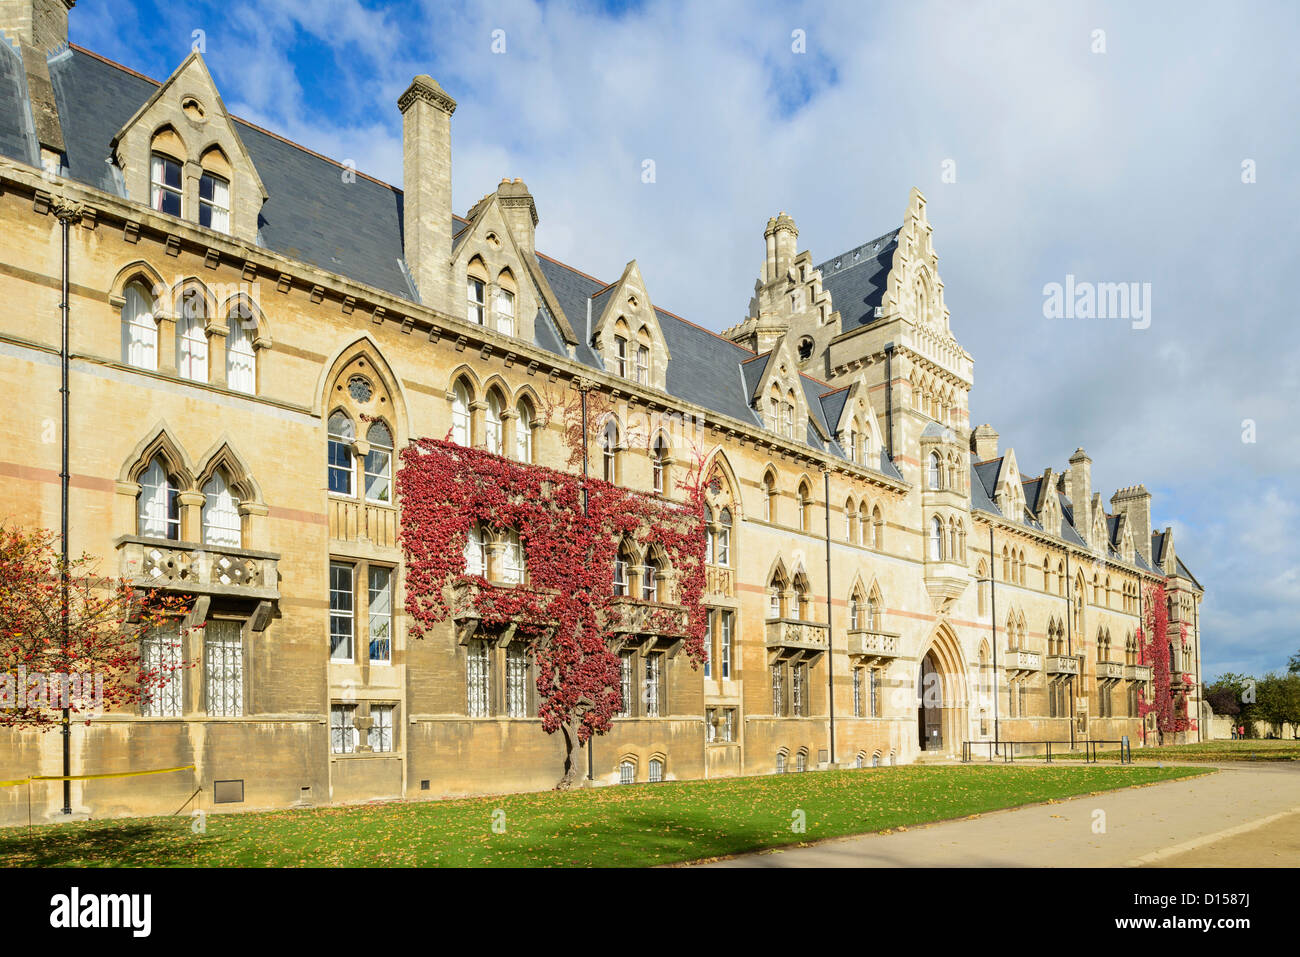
{"type": "Point", "coordinates": [193, 109]}
{"type": "Point", "coordinates": [359, 388]}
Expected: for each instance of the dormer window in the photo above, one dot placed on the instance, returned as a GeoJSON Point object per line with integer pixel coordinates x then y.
{"type": "Point", "coordinates": [643, 365]}
{"type": "Point", "coordinates": [476, 294]}
{"type": "Point", "coordinates": [214, 202]}
{"type": "Point", "coordinates": [165, 185]}
{"type": "Point", "coordinates": [505, 312]}
{"type": "Point", "coordinates": [620, 356]}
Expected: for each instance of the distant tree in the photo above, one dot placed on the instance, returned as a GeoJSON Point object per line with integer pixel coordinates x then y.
{"type": "Point", "coordinates": [1245, 691]}
{"type": "Point", "coordinates": [1279, 700]}
{"type": "Point", "coordinates": [1223, 699]}
{"type": "Point", "coordinates": [83, 654]}
{"type": "Point", "coordinates": [1293, 666]}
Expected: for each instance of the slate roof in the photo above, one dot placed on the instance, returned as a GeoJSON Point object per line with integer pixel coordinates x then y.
{"type": "Point", "coordinates": [17, 134]}
{"type": "Point", "coordinates": [856, 279]}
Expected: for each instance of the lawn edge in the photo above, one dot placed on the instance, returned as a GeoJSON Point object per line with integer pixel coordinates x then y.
{"type": "Point", "coordinates": [1193, 771]}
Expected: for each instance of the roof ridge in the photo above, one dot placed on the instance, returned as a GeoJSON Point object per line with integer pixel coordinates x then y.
{"type": "Point", "coordinates": [892, 233]}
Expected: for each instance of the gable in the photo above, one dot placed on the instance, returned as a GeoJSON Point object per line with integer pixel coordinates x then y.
{"type": "Point", "coordinates": [623, 310]}
{"type": "Point", "coordinates": [486, 250]}
{"type": "Point", "coordinates": [186, 120]}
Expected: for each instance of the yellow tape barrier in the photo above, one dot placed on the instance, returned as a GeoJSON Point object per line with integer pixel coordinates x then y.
{"type": "Point", "coordinates": [91, 777]}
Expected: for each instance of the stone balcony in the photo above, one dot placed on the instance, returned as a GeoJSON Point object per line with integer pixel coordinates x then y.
{"type": "Point", "coordinates": [874, 645]}
{"type": "Point", "coordinates": [648, 624]}
{"type": "Point", "coordinates": [195, 569]}
{"type": "Point", "coordinates": [1137, 672]}
{"type": "Point", "coordinates": [1016, 660]}
{"type": "Point", "coordinates": [789, 639]}
{"type": "Point", "coordinates": [466, 601]}
{"type": "Point", "coordinates": [1061, 665]}
{"type": "Point", "coordinates": [1110, 670]}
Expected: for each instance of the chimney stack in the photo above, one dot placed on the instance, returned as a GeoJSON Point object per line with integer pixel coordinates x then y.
{"type": "Point", "coordinates": [520, 212]}
{"type": "Point", "coordinates": [984, 443]}
{"type": "Point", "coordinates": [782, 237]}
{"type": "Point", "coordinates": [426, 189]}
{"type": "Point", "coordinates": [1134, 503]}
{"type": "Point", "coordinates": [42, 24]}
{"type": "Point", "coordinates": [1079, 489]}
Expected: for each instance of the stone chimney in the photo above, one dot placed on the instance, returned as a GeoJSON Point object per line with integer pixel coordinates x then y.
{"type": "Point", "coordinates": [1078, 487]}
{"type": "Point", "coordinates": [1134, 503]}
{"type": "Point", "coordinates": [520, 212]}
{"type": "Point", "coordinates": [426, 190]}
{"type": "Point", "coordinates": [984, 443]}
{"type": "Point", "coordinates": [42, 24]}
{"type": "Point", "coordinates": [782, 237]}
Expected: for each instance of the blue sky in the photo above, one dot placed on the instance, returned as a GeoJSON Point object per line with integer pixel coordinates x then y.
{"type": "Point", "coordinates": [1117, 166]}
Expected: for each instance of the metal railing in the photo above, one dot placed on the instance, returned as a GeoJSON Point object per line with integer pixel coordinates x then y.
{"type": "Point", "coordinates": [1007, 750]}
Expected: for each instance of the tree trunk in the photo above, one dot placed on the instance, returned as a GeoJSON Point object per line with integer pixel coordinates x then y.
{"type": "Point", "coordinates": [573, 752]}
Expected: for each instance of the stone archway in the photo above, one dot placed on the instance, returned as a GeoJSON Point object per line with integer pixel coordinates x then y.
{"type": "Point", "coordinates": [942, 696]}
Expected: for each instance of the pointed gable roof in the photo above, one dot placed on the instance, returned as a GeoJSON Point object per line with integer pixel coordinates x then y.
{"type": "Point", "coordinates": [192, 78]}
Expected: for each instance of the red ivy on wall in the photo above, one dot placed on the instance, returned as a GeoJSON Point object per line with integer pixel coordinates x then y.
{"type": "Point", "coordinates": [1170, 709]}
{"type": "Point", "coordinates": [565, 612]}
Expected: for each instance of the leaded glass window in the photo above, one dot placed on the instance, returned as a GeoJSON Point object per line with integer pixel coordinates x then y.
{"type": "Point", "coordinates": [341, 435]}
{"type": "Point", "coordinates": [341, 610]}
{"type": "Point", "coordinates": [478, 679]}
{"type": "Point", "coordinates": [343, 729]}
{"type": "Point", "coordinates": [381, 614]}
{"type": "Point", "coordinates": [379, 464]}
{"type": "Point", "coordinates": [223, 668]}
{"type": "Point", "coordinates": [214, 202]}
{"type": "Point", "coordinates": [221, 524]}
{"type": "Point", "coordinates": [165, 184]}
{"type": "Point", "coordinates": [652, 687]}
{"type": "Point", "coordinates": [160, 657]}
{"type": "Point", "coordinates": [158, 512]}
{"type": "Point", "coordinates": [516, 681]}
{"type": "Point", "coordinates": [625, 683]}
{"type": "Point", "coordinates": [241, 360]}
{"type": "Point", "coordinates": [139, 329]}
{"type": "Point", "coordinates": [380, 737]}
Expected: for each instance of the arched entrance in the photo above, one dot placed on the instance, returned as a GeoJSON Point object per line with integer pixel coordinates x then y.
{"type": "Point", "coordinates": [941, 719]}
{"type": "Point", "coordinates": [929, 711]}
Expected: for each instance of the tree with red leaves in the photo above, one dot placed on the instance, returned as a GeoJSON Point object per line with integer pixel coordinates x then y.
{"type": "Point", "coordinates": [82, 653]}
{"type": "Point", "coordinates": [564, 613]}
{"type": "Point", "coordinates": [1170, 709]}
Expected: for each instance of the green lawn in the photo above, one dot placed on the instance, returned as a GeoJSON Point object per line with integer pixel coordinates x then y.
{"type": "Point", "coordinates": [631, 825]}
{"type": "Point", "coordinates": [1247, 750]}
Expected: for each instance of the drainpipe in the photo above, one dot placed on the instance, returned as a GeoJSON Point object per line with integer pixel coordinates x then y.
{"type": "Point", "coordinates": [889, 400]}
{"type": "Point", "coordinates": [582, 391]}
{"type": "Point", "coordinates": [1142, 655]}
{"type": "Point", "coordinates": [993, 611]}
{"type": "Point", "coordinates": [1069, 637]}
{"type": "Point", "coordinates": [1200, 679]}
{"type": "Point", "coordinates": [67, 214]}
{"type": "Point", "coordinates": [830, 631]}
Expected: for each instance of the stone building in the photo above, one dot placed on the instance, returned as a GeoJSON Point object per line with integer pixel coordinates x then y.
{"type": "Point", "coordinates": [257, 330]}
